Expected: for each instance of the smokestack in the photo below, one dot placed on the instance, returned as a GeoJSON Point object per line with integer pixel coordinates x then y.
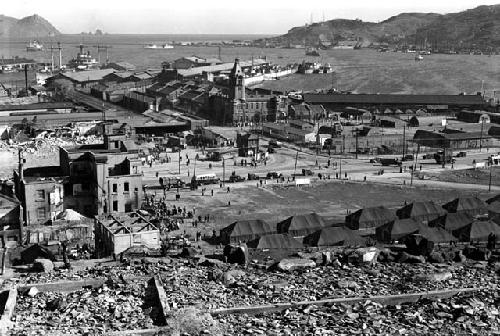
{"type": "Point", "coordinates": [26, 77]}
{"type": "Point", "coordinates": [21, 164]}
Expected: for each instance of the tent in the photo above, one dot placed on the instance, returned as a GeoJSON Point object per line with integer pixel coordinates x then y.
{"type": "Point", "coordinates": [494, 209]}
{"type": "Point", "coordinates": [436, 235]}
{"type": "Point", "coordinates": [477, 231]}
{"type": "Point", "coordinates": [275, 241]}
{"type": "Point", "coordinates": [332, 236]}
{"type": "Point", "coordinates": [369, 218]}
{"type": "Point", "coordinates": [245, 230]}
{"type": "Point", "coordinates": [301, 225]}
{"type": "Point", "coordinates": [397, 229]}
{"type": "Point", "coordinates": [470, 205]}
{"type": "Point", "coordinates": [36, 251]}
{"type": "Point", "coordinates": [423, 211]}
{"type": "Point", "coordinates": [452, 221]}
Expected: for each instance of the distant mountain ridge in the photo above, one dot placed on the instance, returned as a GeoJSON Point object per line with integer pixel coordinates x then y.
{"type": "Point", "coordinates": [478, 27]}
{"type": "Point", "coordinates": [33, 26]}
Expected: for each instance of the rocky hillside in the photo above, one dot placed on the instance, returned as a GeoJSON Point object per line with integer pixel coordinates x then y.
{"type": "Point", "coordinates": [479, 27]}
{"type": "Point", "coordinates": [31, 26]}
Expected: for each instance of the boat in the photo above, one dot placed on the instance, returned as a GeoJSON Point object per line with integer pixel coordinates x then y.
{"type": "Point", "coordinates": [312, 52]}
{"type": "Point", "coordinates": [83, 61]}
{"type": "Point", "coordinates": [156, 46]}
{"type": "Point", "coordinates": [34, 46]}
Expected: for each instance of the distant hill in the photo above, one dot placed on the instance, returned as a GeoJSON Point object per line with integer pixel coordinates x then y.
{"type": "Point", "coordinates": [479, 26]}
{"type": "Point", "coordinates": [30, 27]}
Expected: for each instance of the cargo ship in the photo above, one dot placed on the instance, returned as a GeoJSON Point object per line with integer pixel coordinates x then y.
{"type": "Point", "coordinates": [34, 46]}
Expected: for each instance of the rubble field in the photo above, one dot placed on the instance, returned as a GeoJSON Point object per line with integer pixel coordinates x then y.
{"type": "Point", "coordinates": [125, 301]}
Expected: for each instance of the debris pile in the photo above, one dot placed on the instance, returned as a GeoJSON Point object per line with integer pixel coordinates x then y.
{"type": "Point", "coordinates": [460, 315]}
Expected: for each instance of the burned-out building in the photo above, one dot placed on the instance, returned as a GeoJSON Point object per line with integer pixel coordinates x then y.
{"type": "Point", "coordinates": [91, 179]}
{"type": "Point", "coordinates": [115, 233]}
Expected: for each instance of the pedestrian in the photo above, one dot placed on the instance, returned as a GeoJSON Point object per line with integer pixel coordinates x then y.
{"type": "Point", "coordinates": [212, 192]}
{"type": "Point", "coordinates": [228, 190]}
{"type": "Point", "coordinates": [208, 218]}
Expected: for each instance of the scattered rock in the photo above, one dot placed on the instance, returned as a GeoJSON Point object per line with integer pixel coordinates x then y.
{"type": "Point", "coordinates": [33, 291]}
{"type": "Point", "coordinates": [436, 257]}
{"type": "Point", "coordinates": [364, 255]}
{"type": "Point", "coordinates": [405, 257]}
{"type": "Point", "coordinates": [43, 265]}
{"type": "Point", "coordinates": [295, 263]}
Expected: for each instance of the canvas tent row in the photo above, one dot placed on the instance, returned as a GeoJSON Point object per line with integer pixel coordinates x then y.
{"type": "Point", "coordinates": [334, 236]}
{"type": "Point", "coordinates": [470, 205]}
{"type": "Point", "coordinates": [452, 221]}
{"type": "Point", "coordinates": [369, 218]}
{"type": "Point", "coordinates": [494, 209]}
{"type": "Point", "coordinates": [477, 231]}
{"type": "Point", "coordinates": [397, 229]}
{"type": "Point", "coordinates": [275, 241]}
{"type": "Point", "coordinates": [423, 211]}
{"type": "Point", "coordinates": [245, 230]}
{"type": "Point", "coordinates": [436, 235]}
{"type": "Point", "coordinates": [301, 225]}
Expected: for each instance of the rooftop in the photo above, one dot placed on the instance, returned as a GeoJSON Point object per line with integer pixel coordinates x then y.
{"type": "Point", "coordinates": [126, 223]}
{"type": "Point", "coordinates": [394, 99]}
{"type": "Point", "coordinates": [87, 76]}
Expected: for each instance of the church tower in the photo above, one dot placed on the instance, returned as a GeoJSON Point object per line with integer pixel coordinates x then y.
{"type": "Point", "coordinates": [236, 82]}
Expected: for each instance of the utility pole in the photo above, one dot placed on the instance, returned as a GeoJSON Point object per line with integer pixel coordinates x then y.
{"type": "Point", "coordinates": [296, 158]}
{"type": "Point", "coordinates": [194, 169]}
{"type": "Point", "coordinates": [223, 171]}
{"type": "Point", "coordinates": [481, 137]}
{"type": "Point", "coordinates": [404, 142]}
{"type": "Point", "coordinates": [489, 184]}
{"type": "Point", "coordinates": [179, 161]}
{"type": "Point", "coordinates": [356, 135]}
{"type": "Point", "coordinates": [414, 164]}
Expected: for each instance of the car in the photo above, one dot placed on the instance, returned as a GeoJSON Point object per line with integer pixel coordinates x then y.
{"type": "Point", "coordinates": [236, 178]}
{"type": "Point", "coordinates": [275, 144]}
{"type": "Point", "coordinates": [272, 175]}
{"type": "Point", "coordinates": [307, 172]}
{"type": "Point", "coordinates": [73, 253]}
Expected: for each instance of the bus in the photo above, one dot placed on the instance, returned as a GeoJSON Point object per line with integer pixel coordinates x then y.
{"type": "Point", "coordinates": [207, 179]}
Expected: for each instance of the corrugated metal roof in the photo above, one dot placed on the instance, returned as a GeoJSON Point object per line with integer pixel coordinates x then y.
{"type": "Point", "coordinates": [394, 99]}
{"type": "Point", "coordinates": [87, 76]}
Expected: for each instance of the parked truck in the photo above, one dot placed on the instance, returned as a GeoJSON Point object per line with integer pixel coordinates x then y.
{"type": "Point", "coordinates": [441, 158]}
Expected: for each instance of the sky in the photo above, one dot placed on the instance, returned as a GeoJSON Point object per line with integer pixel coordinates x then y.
{"type": "Point", "coordinates": [217, 16]}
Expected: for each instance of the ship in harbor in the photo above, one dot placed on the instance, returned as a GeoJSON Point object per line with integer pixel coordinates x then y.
{"type": "Point", "coordinates": [34, 46]}
{"type": "Point", "coordinates": [156, 46]}
{"type": "Point", "coordinates": [312, 52]}
{"type": "Point", "coordinates": [83, 61]}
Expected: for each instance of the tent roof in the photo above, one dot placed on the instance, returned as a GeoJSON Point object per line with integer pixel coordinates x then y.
{"type": "Point", "coordinates": [405, 226]}
{"type": "Point", "coordinates": [494, 207]}
{"type": "Point", "coordinates": [334, 236]}
{"type": "Point", "coordinates": [275, 241]}
{"type": "Point", "coordinates": [453, 221]}
{"type": "Point", "coordinates": [464, 204]}
{"type": "Point", "coordinates": [480, 229]}
{"type": "Point", "coordinates": [422, 208]}
{"type": "Point", "coordinates": [301, 222]}
{"type": "Point", "coordinates": [379, 213]}
{"type": "Point", "coordinates": [248, 227]}
{"type": "Point", "coordinates": [436, 234]}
